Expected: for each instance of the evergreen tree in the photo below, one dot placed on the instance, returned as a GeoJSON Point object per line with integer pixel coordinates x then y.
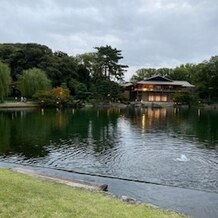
{"type": "Point", "coordinates": [107, 59]}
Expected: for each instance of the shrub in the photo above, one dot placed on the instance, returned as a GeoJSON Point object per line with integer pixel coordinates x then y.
{"type": "Point", "coordinates": [55, 97]}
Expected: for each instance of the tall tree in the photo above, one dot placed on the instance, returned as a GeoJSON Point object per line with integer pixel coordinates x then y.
{"type": "Point", "coordinates": [206, 79]}
{"type": "Point", "coordinates": [33, 80]}
{"type": "Point", "coordinates": [213, 68]}
{"type": "Point", "coordinates": [183, 72]}
{"type": "Point", "coordinates": [88, 60]}
{"type": "Point", "coordinates": [21, 57]}
{"type": "Point", "coordinates": [87, 66]}
{"type": "Point", "coordinates": [61, 69]}
{"type": "Point", "coordinates": [108, 67]}
{"type": "Point", "coordinates": [143, 73]}
{"type": "Point", "coordinates": [5, 80]}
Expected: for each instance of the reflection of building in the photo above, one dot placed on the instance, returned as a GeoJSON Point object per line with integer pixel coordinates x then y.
{"type": "Point", "coordinates": [152, 116]}
{"type": "Point", "coordinates": [147, 118]}
{"type": "Point", "coordinates": [157, 113]}
{"type": "Point", "coordinates": [155, 89]}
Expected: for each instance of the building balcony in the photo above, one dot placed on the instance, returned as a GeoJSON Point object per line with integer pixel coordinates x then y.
{"type": "Point", "coordinates": [154, 90]}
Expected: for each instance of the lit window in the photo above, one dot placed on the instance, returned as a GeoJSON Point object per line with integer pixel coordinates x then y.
{"type": "Point", "coordinates": [158, 98]}
{"type": "Point", "coordinates": [150, 98]}
{"type": "Point", "coordinates": [164, 98]}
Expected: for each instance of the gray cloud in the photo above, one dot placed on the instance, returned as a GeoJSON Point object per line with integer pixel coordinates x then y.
{"type": "Point", "coordinates": [150, 33]}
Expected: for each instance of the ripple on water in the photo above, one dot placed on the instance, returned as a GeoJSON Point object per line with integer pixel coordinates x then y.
{"type": "Point", "coordinates": [158, 152]}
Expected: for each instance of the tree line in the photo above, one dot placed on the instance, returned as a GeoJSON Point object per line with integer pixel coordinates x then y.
{"type": "Point", "coordinates": [34, 70]}
{"type": "Point", "coordinates": [203, 75]}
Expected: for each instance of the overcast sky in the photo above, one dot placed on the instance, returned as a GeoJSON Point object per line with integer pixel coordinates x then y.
{"type": "Point", "coordinates": [150, 33]}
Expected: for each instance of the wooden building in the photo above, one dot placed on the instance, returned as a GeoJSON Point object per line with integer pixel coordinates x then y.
{"type": "Point", "coordinates": [155, 89]}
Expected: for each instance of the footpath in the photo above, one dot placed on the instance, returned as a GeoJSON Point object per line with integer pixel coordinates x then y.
{"type": "Point", "coordinates": [19, 104]}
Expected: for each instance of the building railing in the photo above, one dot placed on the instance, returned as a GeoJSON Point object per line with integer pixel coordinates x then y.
{"type": "Point", "coordinates": [155, 90]}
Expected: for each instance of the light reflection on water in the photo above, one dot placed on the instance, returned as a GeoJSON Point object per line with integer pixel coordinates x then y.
{"type": "Point", "coordinates": [165, 146]}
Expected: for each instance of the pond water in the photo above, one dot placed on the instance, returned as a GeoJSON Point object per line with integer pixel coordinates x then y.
{"type": "Point", "coordinates": [170, 147]}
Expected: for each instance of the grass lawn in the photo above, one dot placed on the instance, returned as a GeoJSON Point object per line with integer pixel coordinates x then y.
{"type": "Point", "coordinates": [25, 196]}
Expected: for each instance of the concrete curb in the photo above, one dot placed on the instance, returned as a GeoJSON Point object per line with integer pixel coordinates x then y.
{"type": "Point", "coordinates": [73, 183]}
{"type": "Point", "coordinates": [19, 104]}
{"type": "Point", "coordinates": [81, 184]}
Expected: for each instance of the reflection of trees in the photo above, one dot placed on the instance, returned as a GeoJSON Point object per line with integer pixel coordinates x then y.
{"type": "Point", "coordinates": [4, 134]}
{"type": "Point", "coordinates": [199, 124]}
{"type": "Point", "coordinates": [29, 134]}
{"type": "Point", "coordinates": [104, 129]}
{"type": "Point", "coordinates": [207, 127]}
{"type": "Point", "coordinates": [93, 127]}
{"type": "Point", "coordinates": [29, 131]}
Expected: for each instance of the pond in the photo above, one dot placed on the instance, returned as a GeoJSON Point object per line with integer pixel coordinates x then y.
{"type": "Point", "coordinates": [169, 147]}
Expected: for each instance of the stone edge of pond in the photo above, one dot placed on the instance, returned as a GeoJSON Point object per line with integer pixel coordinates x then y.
{"type": "Point", "coordinates": [91, 186]}
{"type": "Point", "coordinates": [80, 184]}
{"type": "Point", "coordinates": [73, 183]}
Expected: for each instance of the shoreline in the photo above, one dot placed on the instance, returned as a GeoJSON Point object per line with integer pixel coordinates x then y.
{"type": "Point", "coordinates": [65, 201]}
{"type": "Point", "coordinates": [163, 197]}
{"type": "Point", "coordinates": [86, 185]}
{"type": "Point", "coordinates": [33, 104]}
{"type": "Point", "coordinates": [27, 104]}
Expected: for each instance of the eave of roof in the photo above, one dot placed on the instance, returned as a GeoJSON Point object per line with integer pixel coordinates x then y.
{"type": "Point", "coordinates": [175, 83]}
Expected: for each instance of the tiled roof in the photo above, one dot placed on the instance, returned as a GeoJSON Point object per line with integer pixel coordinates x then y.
{"type": "Point", "coordinates": [162, 81]}
{"type": "Point", "coordinates": [175, 82]}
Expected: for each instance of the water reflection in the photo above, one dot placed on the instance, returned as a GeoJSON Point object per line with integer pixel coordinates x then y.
{"type": "Point", "coordinates": [200, 125]}
{"type": "Point", "coordinates": [142, 143]}
{"type": "Point", "coordinates": [32, 131]}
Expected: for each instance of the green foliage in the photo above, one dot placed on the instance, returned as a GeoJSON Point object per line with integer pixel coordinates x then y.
{"type": "Point", "coordinates": [143, 73]}
{"type": "Point", "coordinates": [146, 73]}
{"type": "Point", "coordinates": [183, 73]}
{"type": "Point", "coordinates": [107, 59]}
{"type": "Point", "coordinates": [183, 98]}
{"type": "Point", "coordinates": [106, 90]}
{"type": "Point", "coordinates": [79, 74]}
{"type": "Point", "coordinates": [33, 80]}
{"type": "Point", "coordinates": [203, 75]}
{"type": "Point", "coordinates": [206, 79]}
{"type": "Point", "coordinates": [88, 68]}
{"type": "Point", "coordinates": [5, 81]}
{"type": "Point", "coordinates": [21, 57]}
{"type": "Point", "coordinates": [61, 69]}
{"type": "Point", "coordinates": [81, 91]}
{"type": "Point", "coordinates": [84, 75]}
{"type": "Point", "coordinates": [115, 92]}
{"type": "Point", "coordinates": [58, 66]}
{"type": "Point", "coordinates": [54, 97]}
{"type": "Point", "coordinates": [87, 61]}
